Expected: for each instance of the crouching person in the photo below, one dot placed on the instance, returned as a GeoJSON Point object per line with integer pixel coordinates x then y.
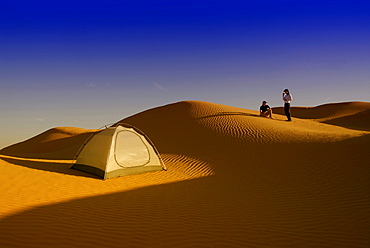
{"type": "Point", "coordinates": [265, 110]}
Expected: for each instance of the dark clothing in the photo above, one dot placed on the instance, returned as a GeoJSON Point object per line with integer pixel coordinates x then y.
{"type": "Point", "coordinates": [264, 108]}
{"type": "Point", "coordinates": [287, 111]}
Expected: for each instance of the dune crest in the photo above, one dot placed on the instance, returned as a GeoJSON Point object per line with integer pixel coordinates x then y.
{"type": "Point", "coordinates": [234, 123]}
{"type": "Point", "coordinates": [56, 143]}
{"type": "Point", "coordinates": [346, 114]}
{"type": "Point", "coordinates": [234, 179]}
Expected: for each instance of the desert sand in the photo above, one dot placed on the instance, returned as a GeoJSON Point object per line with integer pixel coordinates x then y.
{"type": "Point", "coordinates": [234, 179]}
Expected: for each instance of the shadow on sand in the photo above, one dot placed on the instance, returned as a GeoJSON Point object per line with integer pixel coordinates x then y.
{"type": "Point", "coordinates": [62, 166]}
{"type": "Point", "coordinates": [253, 201]}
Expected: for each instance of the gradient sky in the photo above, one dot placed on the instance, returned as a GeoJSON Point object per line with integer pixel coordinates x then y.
{"type": "Point", "coordinates": [88, 63]}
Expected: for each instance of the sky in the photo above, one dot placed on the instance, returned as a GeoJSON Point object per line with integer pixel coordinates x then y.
{"type": "Point", "coordinates": [89, 63]}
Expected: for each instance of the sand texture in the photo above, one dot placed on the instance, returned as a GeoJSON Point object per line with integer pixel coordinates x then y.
{"type": "Point", "coordinates": [234, 179]}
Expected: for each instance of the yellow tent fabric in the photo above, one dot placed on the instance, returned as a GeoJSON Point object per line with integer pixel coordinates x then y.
{"type": "Point", "coordinates": [118, 151]}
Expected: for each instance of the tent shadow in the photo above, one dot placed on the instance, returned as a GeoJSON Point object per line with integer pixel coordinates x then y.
{"type": "Point", "coordinates": [61, 167]}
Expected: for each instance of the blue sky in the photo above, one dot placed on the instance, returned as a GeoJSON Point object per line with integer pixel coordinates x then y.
{"type": "Point", "coordinates": [89, 63]}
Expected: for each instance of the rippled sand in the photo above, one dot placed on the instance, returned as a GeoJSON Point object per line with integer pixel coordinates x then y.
{"type": "Point", "coordinates": [234, 179]}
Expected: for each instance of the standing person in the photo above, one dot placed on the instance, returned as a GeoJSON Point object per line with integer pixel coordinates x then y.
{"type": "Point", "coordinates": [265, 110]}
{"type": "Point", "coordinates": [287, 98]}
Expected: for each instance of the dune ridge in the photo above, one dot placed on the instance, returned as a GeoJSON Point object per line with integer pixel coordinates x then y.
{"type": "Point", "coordinates": [347, 114]}
{"type": "Point", "coordinates": [234, 179]}
{"type": "Point", "coordinates": [55, 143]}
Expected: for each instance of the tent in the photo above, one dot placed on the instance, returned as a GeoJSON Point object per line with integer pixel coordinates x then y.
{"type": "Point", "coordinates": [117, 151]}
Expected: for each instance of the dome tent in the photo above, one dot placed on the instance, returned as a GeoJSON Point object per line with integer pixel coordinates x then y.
{"type": "Point", "coordinates": [116, 151]}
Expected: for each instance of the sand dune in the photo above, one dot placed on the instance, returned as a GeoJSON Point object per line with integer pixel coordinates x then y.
{"type": "Point", "coordinates": [234, 179]}
{"type": "Point", "coordinates": [347, 114]}
{"type": "Point", "coordinates": [56, 143]}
